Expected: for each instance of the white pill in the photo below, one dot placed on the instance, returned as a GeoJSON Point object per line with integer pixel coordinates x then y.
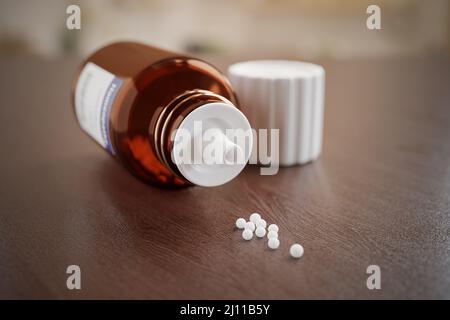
{"type": "Point", "coordinates": [260, 232]}
{"type": "Point", "coordinates": [272, 234]}
{"type": "Point", "coordinates": [240, 223]}
{"type": "Point", "coordinates": [261, 223]}
{"type": "Point", "coordinates": [247, 234]}
{"type": "Point", "coordinates": [273, 227]}
{"type": "Point", "coordinates": [254, 217]}
{"type": "Point", "coordinates": [273, 243]}
{"type": "Point", "coordinates": [296, 250]}
{"type": "Point", "coordinates": [250, 225]}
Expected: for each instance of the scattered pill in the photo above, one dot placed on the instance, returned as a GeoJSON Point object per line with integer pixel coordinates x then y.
{"type": "Point", "coordinates": [296, 250]}
{"type": "Point", "coordinates": [261, 223]}
{"type": "Point", "coordinates": [273, 227]}
{"type": "Point", "coordinates": [247, 234]}
{"type": "Point", "coordinates": [272, 234]}
{"type": "Point", "coordinates": [254, 217]}
{"type": "Point", "coordinates": [240, 223]}
{"type": "Point", "coordinates": [273, 243]}
{"type": "Point", "coordinates": [250, 225]}
{"type": "Point", "coordinates": [260, 232]}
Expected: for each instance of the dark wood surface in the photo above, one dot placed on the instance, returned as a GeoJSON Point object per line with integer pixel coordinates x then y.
{"type": "Point", "coordinates": [379, 194]}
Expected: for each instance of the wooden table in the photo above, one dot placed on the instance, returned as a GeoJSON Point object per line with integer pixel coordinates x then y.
{"type": "Point", "coordinates": [379, 195]}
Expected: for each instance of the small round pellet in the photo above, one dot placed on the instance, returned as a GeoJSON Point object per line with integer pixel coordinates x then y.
{"type": "Point", "coordinates": [273, 243]}
{"type": "Point", "coordinates": [240, 223]}
{"type": "Point", "coordinates": [260, 232]}
{"type": "Point", "coordinates": [272, 234]}
{"type": "Point", "coordinates": [247, 234]}
{"type": "Point", "coordinates": [261, 223]}
{"type": "Point", "coordinates": [273, 227]}
{"type": "Point", "coordinates": [296, 250]}
{"type": "Point", "coordinates": [250, 225]}
{"type": "Point", "coordinates": [254, 217]}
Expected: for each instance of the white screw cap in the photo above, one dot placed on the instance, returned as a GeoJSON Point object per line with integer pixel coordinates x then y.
{"type": "Point", "coordinates": [285, 95]}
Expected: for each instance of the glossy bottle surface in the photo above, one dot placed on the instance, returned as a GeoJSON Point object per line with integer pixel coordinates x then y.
{"type": "Point", "coordinates": [151, 81]}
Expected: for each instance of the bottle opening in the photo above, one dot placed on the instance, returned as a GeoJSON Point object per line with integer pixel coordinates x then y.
{"type": "Point", "coordinates": [212, 144]}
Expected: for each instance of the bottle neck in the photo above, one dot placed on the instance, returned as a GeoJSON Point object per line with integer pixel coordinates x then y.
{"type": "Point", "coordinates": [170, 118]}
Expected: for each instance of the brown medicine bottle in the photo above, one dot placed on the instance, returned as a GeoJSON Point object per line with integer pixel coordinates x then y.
{"type": "Point", "coordinates": [132, 98]}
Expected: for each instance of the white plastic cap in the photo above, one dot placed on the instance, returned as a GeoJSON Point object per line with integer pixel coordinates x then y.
{"type": "Point", "coordinates": [285, 95]}
{"type": "Point", "coordinates": [212, 144]}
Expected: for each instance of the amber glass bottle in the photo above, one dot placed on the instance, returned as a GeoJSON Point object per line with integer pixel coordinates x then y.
{"type": "Point", "coordinates": [130, 98]}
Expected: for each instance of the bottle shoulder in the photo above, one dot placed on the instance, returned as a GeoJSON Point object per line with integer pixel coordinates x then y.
{"type": "Point", "coordinates": [128, 59]}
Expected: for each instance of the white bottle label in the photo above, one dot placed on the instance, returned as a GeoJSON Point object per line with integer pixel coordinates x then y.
{"type": "Point", "coordinates": [94, 96]}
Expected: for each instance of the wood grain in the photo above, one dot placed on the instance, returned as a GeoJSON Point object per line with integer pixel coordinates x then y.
{"type": "Point", "coordinates": [379, 194]}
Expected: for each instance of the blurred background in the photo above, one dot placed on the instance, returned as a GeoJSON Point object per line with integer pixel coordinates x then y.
{"type": "Point", "coordinates": [311, 29]}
